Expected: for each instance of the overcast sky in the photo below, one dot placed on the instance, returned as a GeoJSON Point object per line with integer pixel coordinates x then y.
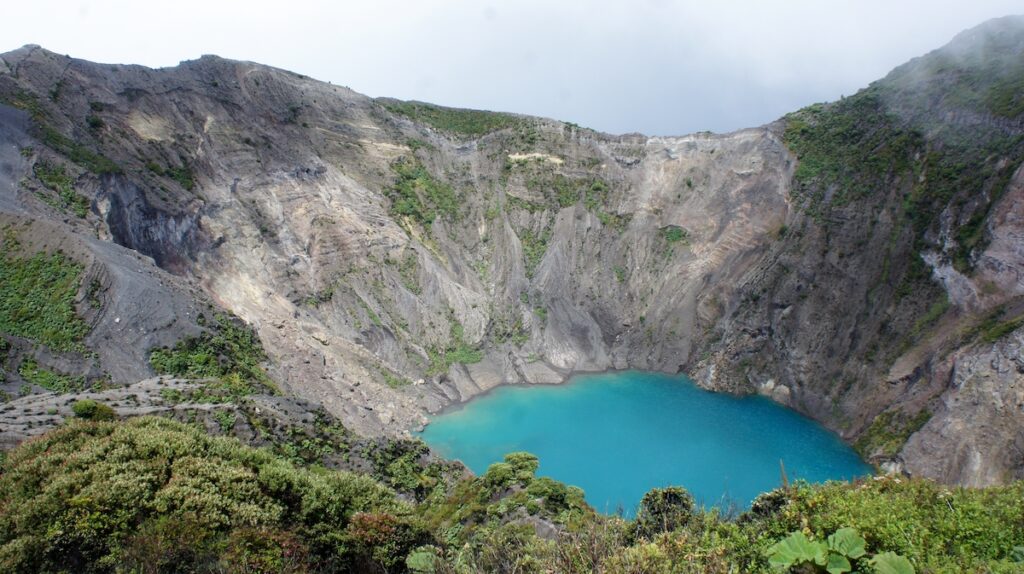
{"type": "Point", "coordinates": [660, 67]}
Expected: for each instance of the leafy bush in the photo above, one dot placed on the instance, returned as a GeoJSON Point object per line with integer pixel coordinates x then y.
{"type": "Point", "coordinates": [663, 510]}
{"type": "Point", "coordinates": [73, 500]}
{"type": "Point", "coordinates": [92, 410]}
{"type": "Point", "coordinates": [797, 552]}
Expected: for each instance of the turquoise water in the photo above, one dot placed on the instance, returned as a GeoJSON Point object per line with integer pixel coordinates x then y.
{"type": "Point", "coordinates": [617, 435]}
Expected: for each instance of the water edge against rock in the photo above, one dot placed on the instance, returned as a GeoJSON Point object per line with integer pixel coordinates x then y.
{"type": "Point", "coordinates": [617, 435]}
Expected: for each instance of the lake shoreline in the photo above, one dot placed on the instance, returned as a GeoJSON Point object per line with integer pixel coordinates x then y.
{"type": "Point", "coordinates": [625, 428]}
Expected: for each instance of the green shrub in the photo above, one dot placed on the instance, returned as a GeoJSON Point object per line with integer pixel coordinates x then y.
{"type": "Point", "coordinates": [889, 432]}
{"type": "Point", "coordinates": [73, 499]}
{"type": "Point", "coordinates": [663, 510]}
{"type": "Point", "coordinates": [92, 410]}
{"type": "Point", "coordinates": [58, 142]}
{"type": "Point", "coordinates": [673, 233]}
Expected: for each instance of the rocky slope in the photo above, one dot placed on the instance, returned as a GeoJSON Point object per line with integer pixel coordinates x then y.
{"type": "Point", "coordinates": [859, 261]}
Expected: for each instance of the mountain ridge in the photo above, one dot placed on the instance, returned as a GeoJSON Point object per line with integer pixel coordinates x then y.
{"type": "Point", "coordinates": [394, 259]}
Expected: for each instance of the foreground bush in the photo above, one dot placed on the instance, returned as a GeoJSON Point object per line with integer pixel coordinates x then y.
{"type": "Point", "coordinates": [152, 495]}
{"type": "Point", "coordinates": [91, 496]}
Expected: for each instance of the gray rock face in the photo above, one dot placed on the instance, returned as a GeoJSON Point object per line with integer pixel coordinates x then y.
{"type": "Point", "coordinates": [274, 196]}
{"type": "Point", "coordinates": [976, 436]}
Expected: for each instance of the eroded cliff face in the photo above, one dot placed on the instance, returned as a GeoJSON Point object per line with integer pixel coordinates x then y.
{"type": "Point", "coordinates": [396, 258]}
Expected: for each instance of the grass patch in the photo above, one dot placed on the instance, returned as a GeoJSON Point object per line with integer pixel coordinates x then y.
{"type": "Point", "coordinates": [889, 432]}
{"type": "Point", "coordinates": [673, 234]}
{"type": "Point", "coordinates": [418, 195]}
{"type": "Point", "coordinates": [472, 123]}
{"type": "Point", "coordinates": [57, 179]}
{"type": "Point", "coordinates": [620, 273]}
{"type": "Point", "coordinates": [996, 326]}
{"type": "Point", "coordinates": [49, 380]}
{"type": "Point", "coordinates": [409, 271]}
{"type": "Point", "coordinates": [58, 142]}
{"type": "Point", "coordinates": [229, 351]}
{"type": "Point", "coordinates": [534, 247]}
{"type": "Point", "coordinates": [37, 298]}
{"type": "Point", "coordinates": [457, 352]}
{"type": "Point", "coordinates": [394, 381]}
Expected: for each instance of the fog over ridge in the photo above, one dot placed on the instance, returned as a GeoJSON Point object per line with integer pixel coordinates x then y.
{"type": "Point", "coordinates": [659, 67]}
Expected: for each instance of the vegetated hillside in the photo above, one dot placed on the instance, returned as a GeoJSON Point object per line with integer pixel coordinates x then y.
{"type": "Point", "coordinates": [895, 294]}
{"type": "Point", "coordinates": [857, 260]}
{"type": "Point", "coordinates": [156, 495]}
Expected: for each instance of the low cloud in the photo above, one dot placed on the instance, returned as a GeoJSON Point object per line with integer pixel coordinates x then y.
{"type": "Point", "coordinates": [657, 66]}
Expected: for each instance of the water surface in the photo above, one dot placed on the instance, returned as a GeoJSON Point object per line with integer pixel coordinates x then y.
{"type": "Point", "coordinates": [617, 435]}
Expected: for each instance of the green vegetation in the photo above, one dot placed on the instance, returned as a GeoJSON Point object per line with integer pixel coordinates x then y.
{"type": "Point", "coordinates": [58, 142]}
{"type": "Point", "coordinates": [394, 381]}
{"type": "Point", "coordinates": [858, 149]}
{"type": "Point", "coordinates": [94, 122]}
{"type": "Point", "coordinates": [30, 370]}
{"type": "Point", "coordinates": [673, 234]}
{"type": "Point", "coordinates": [457, 352]}
{"type": "Point", "coordinates": [229, 351]}
{"type": "Point", "coordinates": [996, 326]}
{"type": "Point", "coordinates": [562, 191]}
{"type": "Point", "coordinates": [418, 195]}
{"type": "Point", "coordinates": [417, 144]}
{"type": "Point", "coordinates": [374, 318]}
{"type": "Point", "coordinates": [664, 510]}
{"type": "Point", "coordinates": [148, 492]}
{"type": "Point", "coordinates": [37, 298]}
{"type": "Point", "coordinates": [518, 203]}
{"type": "Point", "coordinates": [409, 270]}
{"type": "Point", "coordinates": [181, 174]}
{"type": "Point", "coordinates": [57, 179]}
{"type": "Point", "coordinates": [542, 313]}
{"type": "Point", "coordinates": [889, 432]}
{"type": "Point", "coordinates": [534, 248]}
{"type": "Point", "coordinates": [472, 123]}
{"type": "Point", "coordinates": [92, 410]}
{"type": "Point", "coordinates": [843, 552]}
{"type": "Point", "coordinates": [937, 310]}
{"type": "Point", "coordinates": [175, 499]}
{"type": "Point", "coordinates": [854, 144]}
{"type": "Point", "coordinates": [616, 223]}
{"type": "Point", "coordinates": [558, 189]}
{"type": "Point", "coordinates": [225, 420]}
